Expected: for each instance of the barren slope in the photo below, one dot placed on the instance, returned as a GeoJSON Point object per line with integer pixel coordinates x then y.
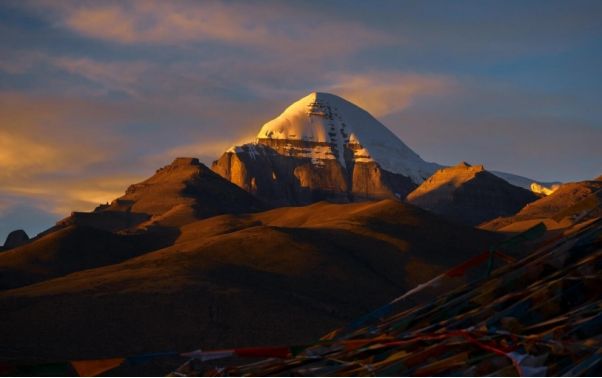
{"type": "Point", "coordinates": [572, 202]}
{"type": "Point", "coordinates": [469, 194]}
{"type": "Point", "coordinates": [176, 194]}
{"type": "Point", "coordinates": [282, 276]}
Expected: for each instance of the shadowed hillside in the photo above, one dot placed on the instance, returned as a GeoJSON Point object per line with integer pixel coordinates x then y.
{"type": "Point", "coordinates": [281, 276]}
{"type": "Point", "coordinates": [469, 195]}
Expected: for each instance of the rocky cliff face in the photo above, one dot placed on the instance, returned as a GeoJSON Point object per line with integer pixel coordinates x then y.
{"type": "Point", "coordinates": [469, 194]}
{"type": "Point", "coordinates": [268, 173]}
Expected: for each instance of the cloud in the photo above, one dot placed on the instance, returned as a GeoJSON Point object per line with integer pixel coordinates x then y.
{"type": "Point", "coordinates": [206, 150]}
{"type": "Point", "coordinates": [21, 62]}
{"type": "Point", "coordinates": [121, 76]}
{"type": "Point", "coordinates": [18, 154]}
{"type": "Point", "coordinates": [61, 197]}
{"type": "Point", "coordinates": [277, 27]}
{"type": "Point", "coordinates": [41, 135]}
{"type": "Point", "coordinates": [55, 156]}
{"type": "Point", "coordinates": [36, 203]}
{"type": "Point", "coordinates": [384, 93]}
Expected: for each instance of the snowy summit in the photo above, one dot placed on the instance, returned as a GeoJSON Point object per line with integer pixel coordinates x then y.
{"type": "Point", "coordinates": [328, 126]}
{"type": "Point", "coordinates": [324, 128]}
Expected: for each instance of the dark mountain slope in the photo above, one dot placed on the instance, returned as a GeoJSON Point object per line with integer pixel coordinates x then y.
{"type": "Point", "coordinates": [281, 276]}
{"type": "Point", "coordinates": [469, 195]}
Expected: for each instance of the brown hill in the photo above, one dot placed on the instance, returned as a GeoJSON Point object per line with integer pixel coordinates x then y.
{"type": "Point", "coordinates": [281, 276]}
{"type": "Point", "coordinates": [469, 195]}
{"type": "Point", "coordinates": [146, 218]}
{"type": "Point", "coordinates": [176, 194]}
{"type": "Point", "coordinates": [74, 248]}
{"type": "Point", "coordinates": [571, 203]}
{"type": "Point", "coordinates": [15, 239]}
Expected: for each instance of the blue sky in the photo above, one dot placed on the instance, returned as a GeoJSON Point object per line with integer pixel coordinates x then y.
{"type": "Point", "coordinates": [97, 95]}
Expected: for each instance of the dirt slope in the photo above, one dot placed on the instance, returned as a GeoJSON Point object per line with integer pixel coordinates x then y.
{"type": "Point", "coordinates": [281, 276]}
{"type": "Point", "coordinates": [469, 195]}
{"type": "Point", "coordinates": [572, 202]}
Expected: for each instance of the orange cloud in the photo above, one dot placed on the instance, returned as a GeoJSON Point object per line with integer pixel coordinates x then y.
{"type": "Point", "coordinates": [47, 155]}
{"type": "Point", "coordinates": [113, 75]}
{"type": "Point", "coordinates": [278, 27]}
{"type": "Point", "coordinates": [384, 93]}
{"type": "Point", "coordinates": [61, 197]}
{"type": "Point", "coordinates": [42, 135]}
{"type": "Point", "coordinates": [18, 154]}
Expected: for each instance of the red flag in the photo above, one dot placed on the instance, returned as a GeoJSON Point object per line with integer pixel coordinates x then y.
{"type": "Point", "coordinates": [92, 368]}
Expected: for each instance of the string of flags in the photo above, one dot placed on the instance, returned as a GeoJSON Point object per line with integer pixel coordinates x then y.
{"type": "Point", "coordinates": [533, 316]}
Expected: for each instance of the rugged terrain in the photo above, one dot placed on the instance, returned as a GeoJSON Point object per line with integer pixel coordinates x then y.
{"type": "Point", "coordinates": [570, 203]}
{"type": "Point", "coordinates": [469, 194]}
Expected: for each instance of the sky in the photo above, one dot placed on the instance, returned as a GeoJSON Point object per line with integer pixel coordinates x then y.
{"type": "Point", "coordinates": [96, 95]}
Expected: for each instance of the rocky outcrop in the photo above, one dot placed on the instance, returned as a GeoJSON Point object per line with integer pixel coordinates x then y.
{"type": "Point", "coordinates": [281, 179]}
{"type": "Point", "coordinates": [15, 238]}
{"type": "Point", "coordinates": [469, 194]}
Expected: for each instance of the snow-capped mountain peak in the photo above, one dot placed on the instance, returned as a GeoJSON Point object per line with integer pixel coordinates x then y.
{"type": "Point", "coordinates": [326, 126]}
{"type": "Point", "coordinates": [324, 147]}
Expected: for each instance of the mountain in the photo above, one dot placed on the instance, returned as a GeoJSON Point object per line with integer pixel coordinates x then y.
{"type": "Point", "coordinates": [347, 133]}
{"type": "Point", "coordinates": [469, 194]}
{"type": "Point", "coordinates": [324, 147]}
{"type": "Point", "coordinates": [282, 276]}
{"type": "Point", "coordinates": [570, 203]}
{"type": "Point", "coordinates": [181, 192]}
{"type": "Point", "coordinates": [15, 239]}
{"type": "Point", "coordinates": [74, 248]}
